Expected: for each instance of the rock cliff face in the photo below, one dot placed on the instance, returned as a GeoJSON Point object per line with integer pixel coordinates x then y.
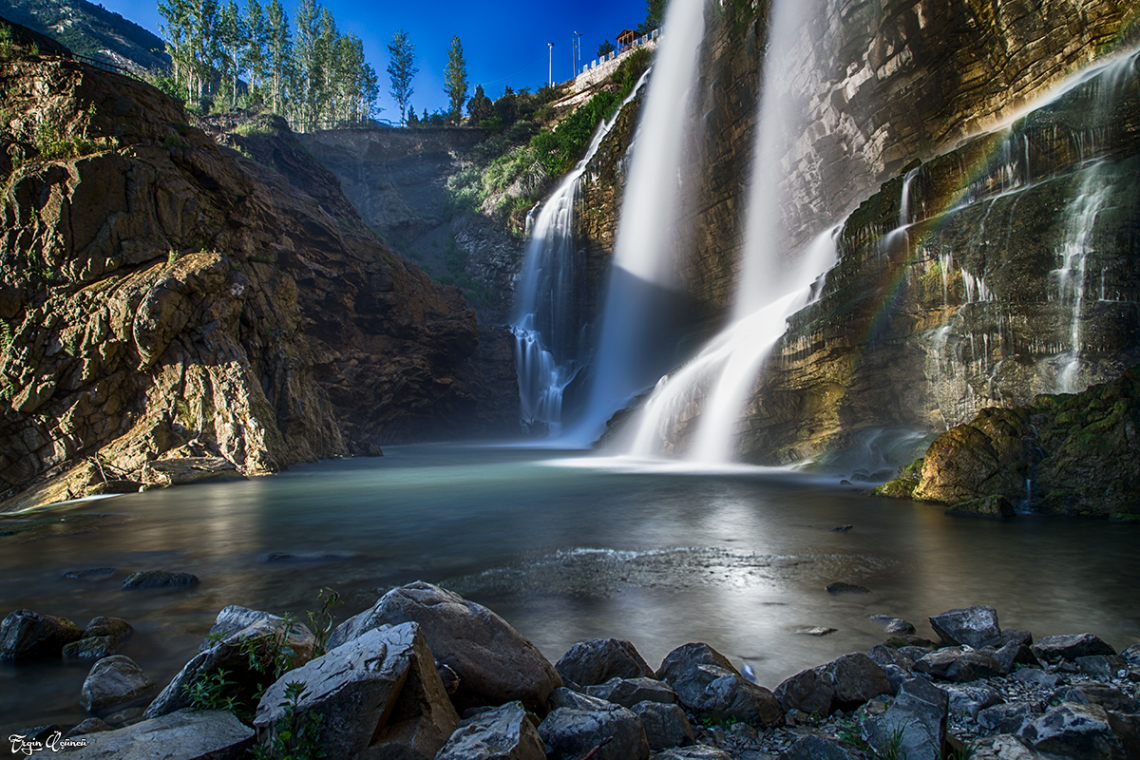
{"type": "Point", "coordinates": [397, 180]}
{"type": "Point", "coordinates": [166, 298]}
{"type": "Point", "coordinates": [1014, 275]}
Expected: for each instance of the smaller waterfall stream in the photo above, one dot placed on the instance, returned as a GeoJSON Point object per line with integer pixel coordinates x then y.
{"type": "Point", "coordinates": [547, 324]}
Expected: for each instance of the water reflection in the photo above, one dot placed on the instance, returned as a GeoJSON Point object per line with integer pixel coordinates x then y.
{"type": "Point", "coordinates": [739, 560]}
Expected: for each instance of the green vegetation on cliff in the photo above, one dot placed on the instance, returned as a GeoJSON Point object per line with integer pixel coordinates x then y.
{"type": "Point", "coordinates": [530, 147]}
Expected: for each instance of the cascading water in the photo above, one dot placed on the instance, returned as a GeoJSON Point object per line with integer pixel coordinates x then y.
{"type": "Point", "coordinates": [769, 290]}
{"type": "Point", "coordinates": [633, 348]}
{"type": "Point", "coordinates": [547, 324]}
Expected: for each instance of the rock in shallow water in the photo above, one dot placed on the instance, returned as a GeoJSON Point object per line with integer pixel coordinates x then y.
{"type": "Point", "coordinates": [975, 626]}
{"type": "Point", "coordinates": [27, 635]}
{"type": "Point", "coordinates": [159, 579]}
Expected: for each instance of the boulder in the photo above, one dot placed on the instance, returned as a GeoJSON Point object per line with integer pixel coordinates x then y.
{"type": "Point", "coordinates": [231, 620]}
{"type": "Point", "coordinates": [27, 635]}
{"type": "Point", "coordinates": [914, 726]}
{"type": "Point", "coordinates": [617, 733]}
{"type": "Point", "coordinates": [1101, 667]}
{"type": "Point", "coordinates": [113, 681]}
{"type": "Point", "coordinates": [596, 661]}
{"type": "Point", "coordinates": [1081, 732]}
{"type": "Point", "coordinates": [1036, 677]}
{"type": "Point", "coordinates": [1107, 696]}
{"type": "Point", "coordinates": [1070, 647]}
{"type": "Point", "coordinates": [1006, 718]}
{"type": "Point", "coordinates": [813, 747]}
{"type": "Point", "coordinates": [1014, 635]}
{"type": "Point", "coordinates": [1132, 654]}
{"type": "Point", "coordinates": [975, 626]}
{"type": "Point", "coordinates": [183, 735]}
{"type": "Point", "coordinates": [696, 752]}
{"type": "Point", "coordinates": [688, 656]}
{"type": "Point", "coordinates": [968, 701]}
{"type": "Point", "coordinates": [378, 695]}
{"type": "Point", "coordinates": [716, 693]}
{"type": "Point", "coordinates": [1004, 747]}
{"type": "Point", "coordinates": [248, 676]}
{"type": "Point", "coordinates": [629, 691]}
{"type": "Point", "coordinates": [884, 656]}
{"type": "Point", "coordinates": [574, 700]}
{"type": "Point", "coordinates": [159, 579]}
{"type": "Point", "coordinates": [495, 663]}
{"type": "Point", "coordinates": [958, 664]}
{"type": "Point", "coordinates": [856, 678]}
{"type": "Point", "coordinates": [1014, 653]}
{"type": "Point", "coordinates": [807, 691]}
{"type": "Point", "coordinates": [502, 733]}
{"type": "Point", "coordinates": [665, 724]}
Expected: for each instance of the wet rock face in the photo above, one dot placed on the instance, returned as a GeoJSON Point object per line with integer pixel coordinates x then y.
{"type": "Point", "coordinates": [1010, 280]}
{"type": "Point", "coordinates": [1067, 454]}
{"type": "Point", "coordinates": [164, 298]}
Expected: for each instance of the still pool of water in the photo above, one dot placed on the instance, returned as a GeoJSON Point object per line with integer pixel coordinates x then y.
{"type": "Point", "coordinates": [564, 548]}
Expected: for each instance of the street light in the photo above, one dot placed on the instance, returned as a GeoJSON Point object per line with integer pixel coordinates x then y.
{"type": "Point", "coordinates": [550, 65]}
{"type": "Point", "coordinates": [576, 50]}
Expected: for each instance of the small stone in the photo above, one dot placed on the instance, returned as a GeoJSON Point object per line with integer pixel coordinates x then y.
{"type": "Point", "coordinates": [846, 588]}
{"type": "Point", "coordinates": [818, 630]}
{"type": "Point", "coordinates": [96, 574]}
{"type": "Point", "coordinates": [1005, 718]}
{"type": "Point", "coordinates": [1036, 677]}
{"type": "Point", "coordinates": [975, 626]}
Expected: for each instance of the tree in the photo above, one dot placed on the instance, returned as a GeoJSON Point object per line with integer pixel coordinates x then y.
{"type": "Point", "coordinates": [402, 69]}
{"type": "Point", "coordinates": [255, 55]}
{"type": "Point", "coordinates": [605, 49]}
{"type": "Point", "coordinates": [480, 107]}
{"type": "Point", "coordinates": [280, 49]}
{"type": "Point", "coordinates": [455, 75]}
{"type": "Point", "coordinates": [233, 36]}
{"type": "Point", "coordinates": [654, 16]}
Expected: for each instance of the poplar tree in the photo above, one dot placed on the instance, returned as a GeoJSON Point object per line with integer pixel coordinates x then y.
{"type": "Point", "coordinates": [280, 48]}
{"type": "Point", "coordinates": [402, 69]}
{"type": "Point", "coordinates": [255, 57]}
{"type": "Point", "coordinates": [455, 77]}
{"type": "Point", "coordinates": [232, 38]}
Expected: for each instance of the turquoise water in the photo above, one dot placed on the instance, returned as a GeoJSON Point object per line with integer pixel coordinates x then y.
{"type": "Point", "coordinates": [564, 549]}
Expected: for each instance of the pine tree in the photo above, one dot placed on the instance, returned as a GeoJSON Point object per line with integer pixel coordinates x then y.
{"type": "Point", "coordinates": [480, 107]}
{"type": "Point", "coordinates": [455, 75]}
{"type": "Point", "coordinates": [402, 69]}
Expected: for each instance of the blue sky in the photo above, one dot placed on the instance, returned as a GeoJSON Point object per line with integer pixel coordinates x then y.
{"type": "Point", "coordinates": [504, 43]}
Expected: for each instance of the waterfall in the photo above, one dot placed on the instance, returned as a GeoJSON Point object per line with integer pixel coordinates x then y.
{"type": "Point", "coordinates": [547, 323]}
{"type": "Point", "coordinates": [634, 348]}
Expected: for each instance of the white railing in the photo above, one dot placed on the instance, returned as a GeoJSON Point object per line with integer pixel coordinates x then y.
{"type": "Point", "coordinates": [611, 56]}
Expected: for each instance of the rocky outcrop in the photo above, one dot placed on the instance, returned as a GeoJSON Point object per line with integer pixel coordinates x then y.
{"type": "Point", "coordinates": [165, 298]}
{"type": "Point", "coordinates": [1068, 454]}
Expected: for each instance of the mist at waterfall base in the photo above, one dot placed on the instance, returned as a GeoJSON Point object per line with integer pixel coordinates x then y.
{"type": "Point", "coordinates": [563, 554]}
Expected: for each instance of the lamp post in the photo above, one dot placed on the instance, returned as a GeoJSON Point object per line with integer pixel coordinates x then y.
{"type": "Point", "coordinates": [576, 50]}
{"type": "Point", "coordinates": [550, 65]}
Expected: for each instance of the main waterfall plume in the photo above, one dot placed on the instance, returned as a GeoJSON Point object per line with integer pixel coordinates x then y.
{"type": "Point", "coordinates": [634, 346]}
